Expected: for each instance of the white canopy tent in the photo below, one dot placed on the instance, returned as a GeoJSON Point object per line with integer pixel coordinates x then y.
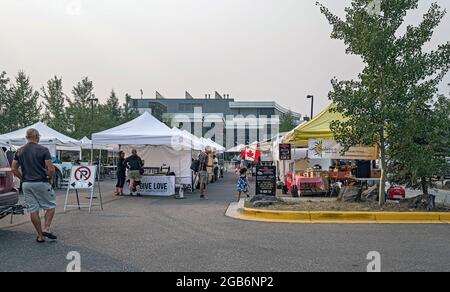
{"type": "Point", "coordinates": [156, 143]}
{"type": "Point", "coordinates": [236, 149]}
{"type": "Point", "coordinates": [50, 138]}
{"type": "Point", "coordinates": [208, 142]}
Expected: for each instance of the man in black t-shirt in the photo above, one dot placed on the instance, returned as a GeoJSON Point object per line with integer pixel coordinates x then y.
{"type": "Point", "coordinates": [36, 173]}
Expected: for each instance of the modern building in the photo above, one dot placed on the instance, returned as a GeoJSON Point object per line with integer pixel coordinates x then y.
{"type": "Point", "coordinates": [222, 118]}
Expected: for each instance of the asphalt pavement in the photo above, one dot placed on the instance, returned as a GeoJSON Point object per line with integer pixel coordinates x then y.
{"type": "Point", "coordinates": [165, 234]}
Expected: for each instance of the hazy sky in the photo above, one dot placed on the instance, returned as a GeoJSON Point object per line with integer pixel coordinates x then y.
{"type": "Point", "coordinates": [251, 49]}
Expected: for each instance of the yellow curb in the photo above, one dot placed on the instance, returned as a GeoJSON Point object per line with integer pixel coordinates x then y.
{"type": "Point", "coordinates": [344, 217]}
{"type": "Point", "coordinates": [445, 218]}
{"type": "Point", "coordinates": [408, 217]}
{"type": "Point", "coordinates": [277, 215]}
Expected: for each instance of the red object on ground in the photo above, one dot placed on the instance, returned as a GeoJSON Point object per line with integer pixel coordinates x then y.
{"type": "Point", "coordinates": [397, 193]}
{"type": "Point", "coordinates": [289, 181]}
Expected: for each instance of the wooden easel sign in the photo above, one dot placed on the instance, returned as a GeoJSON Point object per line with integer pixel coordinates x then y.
{"type": "Point", "coordinates": [83, 178]}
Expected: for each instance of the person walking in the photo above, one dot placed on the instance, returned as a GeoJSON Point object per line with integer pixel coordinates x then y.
{"type": "Point", "coordinates": [243, 186]}
{"type": "Point", "coordinates": [36, 173]}
{"type": "Point", "coordinates": [134, 165]}
{"type": "Point", "coordinates": [121, 174]}
{"type": "Point", "coordinates": [203, 172]}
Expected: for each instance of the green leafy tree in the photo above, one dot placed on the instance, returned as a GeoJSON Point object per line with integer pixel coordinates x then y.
{"type": "Point", "coordinates": [129, 113]}
{"type": "Point", "coordinates": [287, 122]}
{"type": "Point", "coordinates": [4, 97]}
{"type": "Point", "coordinates": [55, 114]}
{"type": "Point", "coordinates": [420, 152]}
{"type": "Point", "coordinates": [111, 112]}
{"type": "Point", "coordinates": [22, 103]}
{"type": "Point", "coordinates": [398, 75]}
{"type": "Point", "coordinates": [83, 109]}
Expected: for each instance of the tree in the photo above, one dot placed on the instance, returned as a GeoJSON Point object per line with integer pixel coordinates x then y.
{"type": "Point", "coordinates": [420, 153]}
{"type": "Point", "coordinates": [129, 113]}
{"type": "Point", "coordinates": [287, 122]}
{"type": "Point", "coordinates": [22, 103]}
{"type": "Point", "coordinates": [111, 112]}
{"type": "Point", "coordinates": [4, 97]}
{"type": "Point", "coordinates": [398, 77]}
{"type": "Point", "coordinates": [54, 105]}
{"type": "Point", "coordinates": [82, 109]}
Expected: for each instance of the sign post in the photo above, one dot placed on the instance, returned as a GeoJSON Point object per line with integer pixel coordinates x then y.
{"type": "Point", "coordinates": [83, 178]}
{"type": "Point", "coordinates": [266, 180]}
{"type": "Point", "coordinates": [285, 152]}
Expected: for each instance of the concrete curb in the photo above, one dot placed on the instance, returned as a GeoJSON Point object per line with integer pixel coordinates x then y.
{"type": "Point", "coordinates": [261, 215]}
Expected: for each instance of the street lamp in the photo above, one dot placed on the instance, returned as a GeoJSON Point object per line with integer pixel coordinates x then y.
{"type": "Point", "coordinates": [312, 105]}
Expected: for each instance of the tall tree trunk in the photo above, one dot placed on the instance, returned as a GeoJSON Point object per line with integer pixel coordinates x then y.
{"type": "Point", "coordinates": [382, 194]}
{"type": "Point", "coordinates": [426, 194]}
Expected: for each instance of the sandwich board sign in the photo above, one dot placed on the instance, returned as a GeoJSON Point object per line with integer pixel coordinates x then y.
{"type": "Point", "coordinates": [83, 178]}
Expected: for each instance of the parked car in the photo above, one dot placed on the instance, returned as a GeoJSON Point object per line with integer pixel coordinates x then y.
{"type": "Point", "coordinates": [9, 197]}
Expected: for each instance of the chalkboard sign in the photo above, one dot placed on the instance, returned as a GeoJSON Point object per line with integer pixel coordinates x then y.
{"type": "Point", "coordinates": [285, 152]}
{"type": "Point", "coordinates": [266, 180]}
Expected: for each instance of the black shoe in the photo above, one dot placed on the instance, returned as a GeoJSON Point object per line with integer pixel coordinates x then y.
{"type": "Point", "coordinates": [131, 194]}
{"type": "Point", "coordinates": [50, 235]}
{"type": "Point", "coordinates": [139, 195]}
{"type": "Point", "coordinates": [40, 241]}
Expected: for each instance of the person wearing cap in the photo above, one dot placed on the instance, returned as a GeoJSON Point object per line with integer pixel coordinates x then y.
{"type": "Point", "coordinates": [34, 167]}
{"type": "Point", "coordinates": [134, 165]}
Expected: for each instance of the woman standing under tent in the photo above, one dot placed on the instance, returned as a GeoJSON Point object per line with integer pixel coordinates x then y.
{"type": "Point", "coordinates": [121, 174]}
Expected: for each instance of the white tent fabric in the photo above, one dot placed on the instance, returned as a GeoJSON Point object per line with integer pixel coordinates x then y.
{"type": "Point", "coordinates": [236, 149]}
{"type": "Point", "coordinates": [188, 140]}
{"type": "Point", "coordinates": [156, 143]}
{"type": "Point", "coordinates": [86, 143]}
{"type": "Point", "coordinates": [208, 142]}
{"type": "Point", "coordinates": [144, 130]}
{"type": "Point", "coordinates": [48, 136]}
{"type": "Point", "coordinates": [157, 156]}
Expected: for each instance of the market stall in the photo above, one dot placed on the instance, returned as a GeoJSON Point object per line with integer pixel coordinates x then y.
{"type": "Point", "coordinates": [166, 152]}
{"type": "Point", "coordinates": [324, 162]}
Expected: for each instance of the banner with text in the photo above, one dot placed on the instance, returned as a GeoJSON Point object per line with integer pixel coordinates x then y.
{"type": "Point", "coordinates": [330, 149]}
{"type": "Point", "coordinates": [160, 186]}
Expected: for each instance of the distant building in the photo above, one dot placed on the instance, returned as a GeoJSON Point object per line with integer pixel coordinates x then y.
{"type": "Point", "coordinates": [242, 121]}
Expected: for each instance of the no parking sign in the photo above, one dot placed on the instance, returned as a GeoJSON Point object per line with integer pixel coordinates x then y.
{"type": "Point", "coordinates": [82, 177]}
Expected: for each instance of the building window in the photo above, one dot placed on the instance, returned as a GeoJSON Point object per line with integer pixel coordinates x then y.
{"type": "Point", "coordinates": [188, 107]}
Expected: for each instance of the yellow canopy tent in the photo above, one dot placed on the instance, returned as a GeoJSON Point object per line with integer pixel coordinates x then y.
{"type": "Point", "coordinates": [316, 129]}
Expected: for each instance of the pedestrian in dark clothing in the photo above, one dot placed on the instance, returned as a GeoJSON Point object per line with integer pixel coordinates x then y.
{"type": "Point", "coordinates": [134, 165]}
{"type": "Point", "coordinates": [121, 174]}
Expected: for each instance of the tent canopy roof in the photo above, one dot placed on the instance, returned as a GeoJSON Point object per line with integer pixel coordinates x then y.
{"type": "Point", "coordinates": [318, 128]}
{"type": "Point", "coordinates": [48, 136]}
{"type": "Point", "coordinates": [144, 130]}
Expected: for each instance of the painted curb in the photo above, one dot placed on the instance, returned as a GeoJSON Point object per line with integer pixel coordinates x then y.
{"type": "Point", "coordinates": [344, 217]}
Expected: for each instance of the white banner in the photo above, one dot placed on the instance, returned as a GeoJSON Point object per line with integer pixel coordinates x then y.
{"type": "Point", "coordinates": [82, 177]}
{"type": "Point", "coordinates": [330, 149]}
{"type": "Point", "coordinates": [161, 186]}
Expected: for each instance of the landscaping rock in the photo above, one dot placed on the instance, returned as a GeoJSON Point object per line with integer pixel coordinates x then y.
{"type": "Point", "coordinates": [262, 204]}
{"type": "Point", "coordinates": [263, 198]}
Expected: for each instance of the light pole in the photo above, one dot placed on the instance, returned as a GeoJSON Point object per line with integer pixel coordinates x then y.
{"type": "Point", "coordinates": [312, 105]}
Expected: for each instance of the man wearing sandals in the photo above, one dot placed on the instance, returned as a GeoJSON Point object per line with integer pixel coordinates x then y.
{"type": "Point", "coordinates": [36, 173]}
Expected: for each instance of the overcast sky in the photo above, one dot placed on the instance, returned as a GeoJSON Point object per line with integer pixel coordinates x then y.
{"type": "Point", "coordinates": [251, 49]}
